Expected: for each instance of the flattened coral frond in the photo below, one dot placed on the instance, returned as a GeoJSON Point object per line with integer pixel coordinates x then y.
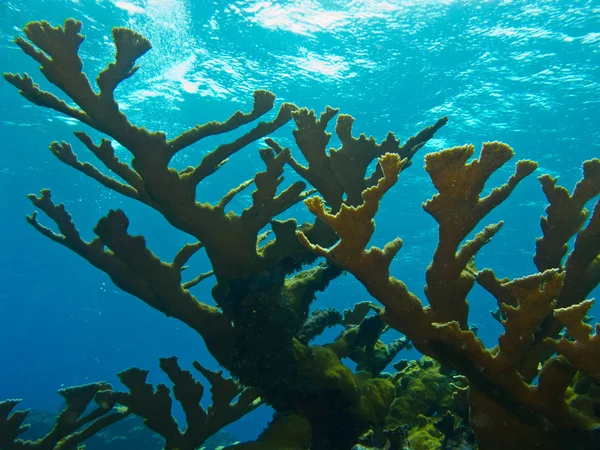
{"type": "Point", "coordinates": [135, 269]}
{"type": "Point", "coordinates": [583, 263]}
{"type": "Point", "coordinates": [78, 421]}
{"type": "Point", "coordinates": [354, 225]}
{"type": "Point", "coordinates": [154, 405]}
{"type": "Point", "coordinates": [130, 47]}
{"type": "Point", "coordinates": [213, 160]}
{"type": "Point", "coordinates": [458, 208]}
{"type": "Point", "coordinates": [584, 350]}
{"type": "Point", "coordinates": [263, 103]}
{"type": "Point", "coordinates": [536, 296]}
{"type": "Point", "coordinates": [566, 214]}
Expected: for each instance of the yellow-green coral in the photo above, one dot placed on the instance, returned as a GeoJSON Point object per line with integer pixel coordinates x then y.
{"type": "Point", "coordinates": [421, 388]}
{"type": "Point", "coordinates": [425, 436]}
{"type": "Point", "coordinates": [284, 433]}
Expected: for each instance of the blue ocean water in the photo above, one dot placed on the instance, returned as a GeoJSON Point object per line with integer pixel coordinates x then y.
{"type": "Point", "coordinates": [523, 72]}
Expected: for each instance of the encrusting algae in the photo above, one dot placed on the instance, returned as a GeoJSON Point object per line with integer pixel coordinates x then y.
{"type": "Point", "coordinates": [538, 388]}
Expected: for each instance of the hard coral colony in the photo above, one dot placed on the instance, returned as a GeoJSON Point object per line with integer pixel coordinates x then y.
{"type": "Point", "coordinates": [536, 389]}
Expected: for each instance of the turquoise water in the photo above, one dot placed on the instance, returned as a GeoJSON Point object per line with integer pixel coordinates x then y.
{"type": "Point", "coordinates": [523, 72]}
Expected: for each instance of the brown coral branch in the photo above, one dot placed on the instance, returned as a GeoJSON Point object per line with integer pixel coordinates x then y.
{"type": "Point", "coordinates": [32, 92]}
{"type": "Point", "coordinates": [535, 296]}
{"type": "Point", "coordinates": [135, 269]}
{"type": "Point", "coordinates": [263, 103]}
{"type": "Point", "coordinates": [358, 312]}
{"type": "Point", "coordinates": [355, 226]}
{"type": "Point", "coordinates": [583, 263]}
{"type": "Point", "coordinates": [61, 65]}
{"type": "Point", "coordinates": [223, 391]}
{"type": "Point", "coordinates": [65, 154]}
{"type": "Point", "coordinates": [232, 193]}
{"type": "Point", "coordinates": [154, 405]}
{"type": "Point", "coordinates": [130, 47]}
{"type": "Point", "coordinates": [343, 170]}
{"type": "Point", "coordinates": [150, 179]}
{"type": "Point", "coordinates": [75, 423]}
{"type": "Point", "coordinates": [584, 350]}
{"type": "Point", "coordinates": [441, 330]}
{"type": "Point", "coordinates": [354, 221]}
{"type": "Point", "coordinates": [566, 214]}
{"type": "Point", "coordinates": [213, 160]}
{"type": "Point", "coordinates": [185, 253]}
{"type": "Point", "coordinates": [106, 153]}
{"type": "Point", "coordinates": [266, 204]}
{"type": "Point", "coordinates": [458, 208]}
{"type": "Point", "coordinates": [197, 280]}
{"type": "Point", "coordinates": [312, 139]}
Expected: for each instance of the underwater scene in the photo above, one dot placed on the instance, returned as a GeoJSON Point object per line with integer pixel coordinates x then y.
{"type": "Point", "coordinates": [300, 224]}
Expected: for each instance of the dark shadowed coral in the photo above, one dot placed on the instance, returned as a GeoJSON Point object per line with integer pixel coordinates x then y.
{"type": "Point", "coordinates": [76, 422]}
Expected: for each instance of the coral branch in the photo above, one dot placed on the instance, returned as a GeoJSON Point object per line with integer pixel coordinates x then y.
{"type": "Point", "coordinates": [317, 322]}
{"type": "Point", "coordinates": [135, 269]}
{"type": "Point", "coordinates": [565, 217]}
{"type": "Point", "coordinates": [106, 153]}
{"type": "Point", "coordinates": [186, 252]}
{"type": "Point", "coordinates": [148, 179]}
{"type": "Point", "coordinates": [197, 280]}
{"type": "Point", "coordinates": [343, 170]}
{"type": "Point", "coordinates": [65, 154]}
{"type": "Point", "coordinates": [76, 422]}
{"type": "Point", "coordinates": [261, 328]}
{"type": "Point", "coordinates": [223, 391]}
{"type": "Point", "coordinates": [155, 405]}
{"type": "Point", "coordinates": [583, 263]}
{"type": "Point", "coordinates": [584, 350]}
{"type": "Point", "coordinates": [232, 193]}
{"type": "Point", "coordinates": [130, 47]}
{"type": "Point", "coordinates": [263, 103]}
{"type": "Point", "coordinates": [355, 221]}
{"type": "Point", "coordinates": [566, 214]}
{"type": "Point", "coordinates": [458, 208]}
{"type": "Point", "coordinates": [441, 330]}
{"type": "Point", "coordinates": [211, 162]}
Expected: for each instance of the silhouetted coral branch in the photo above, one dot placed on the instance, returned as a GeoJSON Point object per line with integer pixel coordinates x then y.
{"type": "Point", "coordinates": [154, 405]}
{"type": "Point", "coordinates": [76, 422]}
{"type": "Point", "coordinates": [135, 269]}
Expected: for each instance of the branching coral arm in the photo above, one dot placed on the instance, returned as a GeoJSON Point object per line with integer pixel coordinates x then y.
{"type": "Point", "coordinates": [148, 178]}
{"type": "Point", "coordinates": [565, 215]}
{"type": "Point", "coordinates": [355, 226]}
{"type": "Point", "coordinates": [458, 208]}
{"type": "Point", "coordinates": [136, 270]}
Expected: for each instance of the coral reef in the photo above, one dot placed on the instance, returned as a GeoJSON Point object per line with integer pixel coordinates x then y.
{"type": "Point", "coordinates": [501, 396]}
{"type": "Point", "coordinates": [535, 389]}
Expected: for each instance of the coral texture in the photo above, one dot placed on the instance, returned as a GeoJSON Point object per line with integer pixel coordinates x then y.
{"type": "Point", "coordinates": [527, 392]}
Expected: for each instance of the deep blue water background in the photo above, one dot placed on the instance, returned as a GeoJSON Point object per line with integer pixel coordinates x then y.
{"type": "Point", "coordinates": [523, 72]}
